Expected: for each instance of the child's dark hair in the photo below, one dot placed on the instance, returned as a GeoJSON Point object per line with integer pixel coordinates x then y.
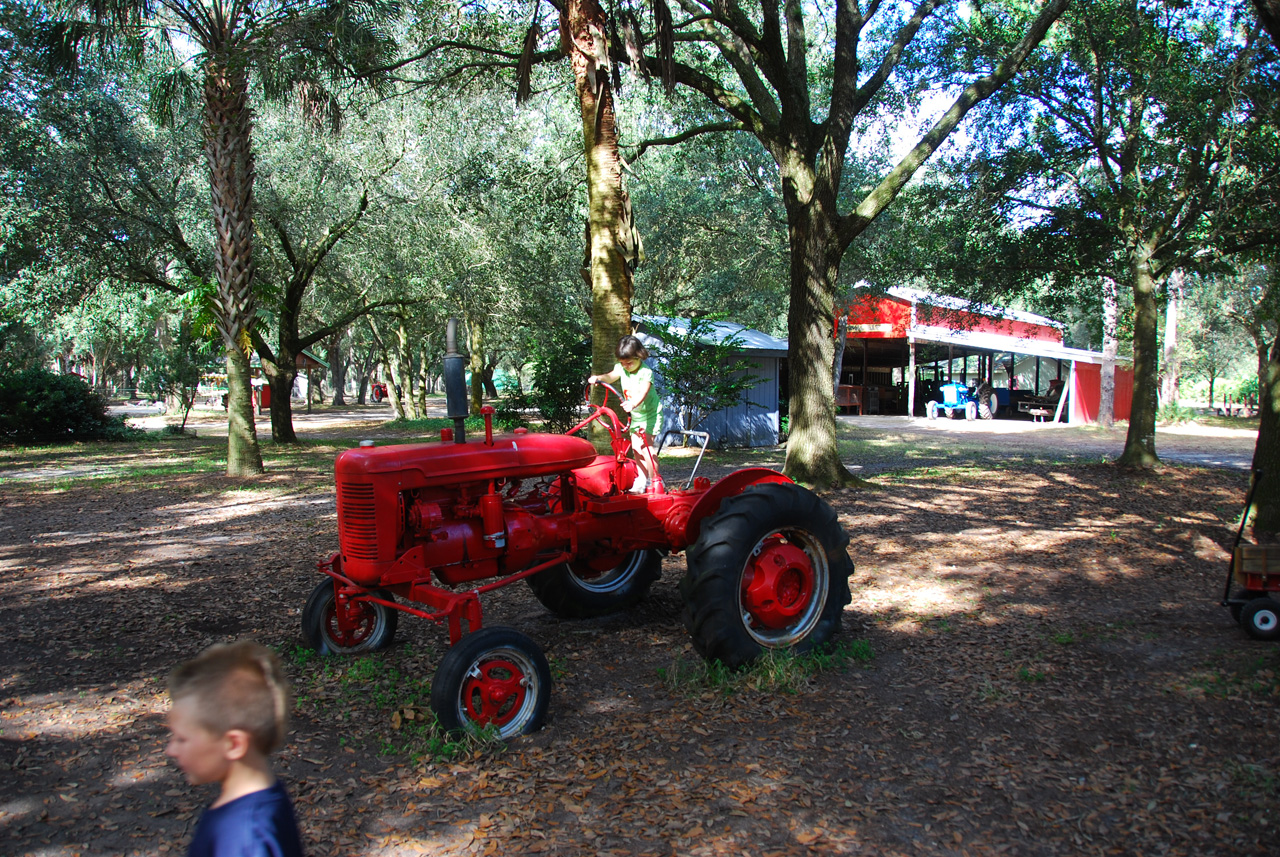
{"type": "Point", "coordinates": [631, 348]}
{"type": "Point", "coordinates": [237, 686]}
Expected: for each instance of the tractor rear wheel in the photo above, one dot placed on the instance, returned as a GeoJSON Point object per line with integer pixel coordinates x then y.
{"type": "Point", "coordinates": [493, 677]}
{"type": "Point", "coordinates": [585, 588]}
{"type": "Point", "coordinates": [1261, 619]}
{"type": "Point", "coordinates": [770, 570]}
{"type": "Point", "coordinates": [374, 626]}
{"type": "Point", "coordinates": [988, 404]}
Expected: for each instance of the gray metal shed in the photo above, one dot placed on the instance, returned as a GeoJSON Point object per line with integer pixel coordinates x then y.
{"type": "Point", "coordinates": [751, 424]}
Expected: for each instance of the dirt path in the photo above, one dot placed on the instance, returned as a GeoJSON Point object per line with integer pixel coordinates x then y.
{"type": "Point", "coordinates": [1051, 674]}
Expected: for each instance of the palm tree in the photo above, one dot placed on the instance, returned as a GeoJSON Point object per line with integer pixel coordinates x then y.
{"type": "Point", "coordinates": [297, 48]}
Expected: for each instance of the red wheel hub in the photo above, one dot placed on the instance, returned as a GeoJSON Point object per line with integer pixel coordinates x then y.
{"type": "Point", "coordinates": [494, 692]}
{"type": "Point", "coordinates": [777, 584]}
{"type": "Point", "coordinates": [349, 622]}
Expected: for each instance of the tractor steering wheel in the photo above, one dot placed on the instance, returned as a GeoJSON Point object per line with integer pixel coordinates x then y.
{"type": "Point", "coordinates": [617, 429]}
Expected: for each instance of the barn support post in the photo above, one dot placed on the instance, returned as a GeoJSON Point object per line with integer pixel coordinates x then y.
{"type": "Point", "coordinates": [1037, 390]}
{"type": "Point", "coordinates": [911, 378]}
{"type": "Point", "coordinates": [1069, 392]}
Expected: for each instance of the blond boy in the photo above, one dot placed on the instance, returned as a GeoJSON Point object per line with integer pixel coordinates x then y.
{"type": "Point", "coordinates": [229, 711]}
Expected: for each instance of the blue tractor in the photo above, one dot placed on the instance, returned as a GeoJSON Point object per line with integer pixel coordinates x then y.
{"type": "Point", "coordinates": [957, 399]}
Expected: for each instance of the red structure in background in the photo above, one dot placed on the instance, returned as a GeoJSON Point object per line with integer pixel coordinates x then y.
{"type": "Point", "coordinates": [901, 344]}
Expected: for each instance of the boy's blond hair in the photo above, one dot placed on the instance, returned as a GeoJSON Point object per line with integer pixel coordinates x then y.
{"type": "Point", "coordinates": [237, 686]}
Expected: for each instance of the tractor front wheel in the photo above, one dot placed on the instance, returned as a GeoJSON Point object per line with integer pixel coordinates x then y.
{"type": "Point", "coordinates": [372, 626]}
{"type": "Point", "coordinates": [596, 587]}
{"type": "Point", "coordinates": [931, 410]}
{"type": "Point", "coordinates": [493, 677]}
{"type": "Point", "coordinates": [770, 570]}
{"type": "Point", "coordinates": [1261, 619]}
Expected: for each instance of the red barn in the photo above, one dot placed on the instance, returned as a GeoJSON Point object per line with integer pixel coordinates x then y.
{"type": "Point", "coordinates": [902, 344]}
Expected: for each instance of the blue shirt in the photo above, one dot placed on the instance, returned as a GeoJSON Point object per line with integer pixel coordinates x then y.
{"type": "Point", "coordinates": [260, 824]}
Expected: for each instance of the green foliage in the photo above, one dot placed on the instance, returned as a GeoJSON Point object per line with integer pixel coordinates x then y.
{"type": "Point", "coordinates": [1173, 414]}
{"type": "Point", "coordinates": [176, 370]}
{"type": "Point", "coordinates": [561, 363]}
{"type": "Point", "coordinates": [700, 374]}
{"type": "Point", "coordinates": [20, 347]}
{"type": "Point", "coordinates": [37, 406]}
{"type": "Point", "coordinates": [1247, 387]}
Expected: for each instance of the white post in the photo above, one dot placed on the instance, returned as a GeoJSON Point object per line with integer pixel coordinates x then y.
{"type": "Point", "coordinates": [911, 379]}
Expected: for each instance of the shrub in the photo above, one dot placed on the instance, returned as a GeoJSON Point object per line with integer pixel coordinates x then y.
{"type": "Point", "coordinates": [560, 368]}
{"type": "Point", "coordinates": [1171, 414]}
{"type": "Point", "coordinates": [39, 406]}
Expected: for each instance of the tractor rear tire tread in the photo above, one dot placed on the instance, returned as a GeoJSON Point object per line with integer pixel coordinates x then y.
{"type": "Point", "coordinates": [710, 588]}
{"type": "Point", "coordinates": [568, 596]}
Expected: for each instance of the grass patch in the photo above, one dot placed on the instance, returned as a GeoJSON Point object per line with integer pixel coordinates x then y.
{"type": "Point", "coordinates": [379, 698]}
{"type": "Point", "coordinates": [1257, 676]}
{"type": "Point", "coordinates": [777, 671]}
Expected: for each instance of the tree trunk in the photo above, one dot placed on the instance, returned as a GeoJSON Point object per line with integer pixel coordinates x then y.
{"type": "Point", "coordinates": [1140, 442]}
{"type": "Point", "coordinates": [402, 371]}
{"type": "Point", "coordinates": [338, 366]}
{"type": "Point", "coordinates": [228, 148]}
{"type": "Point", "coordinates": [1169, 387]}
{"type": "Point", "coordinates": [837, 359]}
{"type": "Point", "coordinates": [281, 373]}
{"type": "Point", "coordinates": [610, 231]}
{"type": "Point", "coordinates": [475, 362]}
{"type": "Point", "coordinates": [812, 454]}
{"type": "Point", "coordinates": [1266, 452]}
{"type": "Point", "coordinates": [1110, 320]}
{"type": "Point", "coordinates": [244, 457]}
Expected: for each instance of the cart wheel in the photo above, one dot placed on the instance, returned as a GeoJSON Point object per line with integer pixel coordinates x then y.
{"type": "Point", "coordinates": [587, 588]}
{"type": "Point", "coordinates": [770, 570]}
{"type": "Point", "coordinates": [494, 676]}
{"type": "Point", "coordinates": [931, 410]}
{"type": "Point", "coordinates": [1243, 596]}
{"type": "Point", "coordinates": [375, 624]}
{"type": "Point", "coordinates": [1261, 619]}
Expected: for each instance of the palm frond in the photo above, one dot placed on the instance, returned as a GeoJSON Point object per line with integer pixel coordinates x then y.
{"type": "Point", "coordinates": [320, 108]}
{"type": "Point", "coordinates": [172, 94]}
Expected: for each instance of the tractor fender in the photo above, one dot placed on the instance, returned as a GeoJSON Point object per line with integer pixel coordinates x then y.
{"type": "Point", "coordinates": [733, 484]}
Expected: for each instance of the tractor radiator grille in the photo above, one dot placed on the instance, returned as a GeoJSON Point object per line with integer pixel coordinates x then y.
{"type": "Point", "coordinates": [358, 529]}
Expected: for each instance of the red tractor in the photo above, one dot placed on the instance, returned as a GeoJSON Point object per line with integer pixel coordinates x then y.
{"type": "Point", "coordinates": [427, 529]}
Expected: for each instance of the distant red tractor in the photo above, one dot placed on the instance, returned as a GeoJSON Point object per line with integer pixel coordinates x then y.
{"type": "Point", "coordinates": [427, 529]}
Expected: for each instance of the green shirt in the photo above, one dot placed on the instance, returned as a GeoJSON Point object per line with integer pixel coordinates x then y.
{"type": "Point", "coordinates": [647, 414]}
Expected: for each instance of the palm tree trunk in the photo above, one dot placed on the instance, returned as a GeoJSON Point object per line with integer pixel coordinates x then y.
{"type": "Point", "coordinates": [227, 136]}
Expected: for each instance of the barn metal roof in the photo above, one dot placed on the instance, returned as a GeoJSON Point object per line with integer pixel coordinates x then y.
{"type": "Point", "coordinates": [1000, 343]}
{"type": "Point", "coordinates": [753, 342]}
{"type": "Point", "coordinates": [918, 296]}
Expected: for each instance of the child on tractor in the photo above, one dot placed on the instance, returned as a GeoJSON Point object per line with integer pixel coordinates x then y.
{"type": "Point", "coordinates": [640, 400]}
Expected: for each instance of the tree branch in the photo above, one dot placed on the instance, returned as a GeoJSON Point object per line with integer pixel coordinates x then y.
{"type": "Point", "coordinates": [710, 128]}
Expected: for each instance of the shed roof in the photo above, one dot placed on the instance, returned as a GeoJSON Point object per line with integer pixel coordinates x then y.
{"type": "Point", "coordinates": [753, 342]}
